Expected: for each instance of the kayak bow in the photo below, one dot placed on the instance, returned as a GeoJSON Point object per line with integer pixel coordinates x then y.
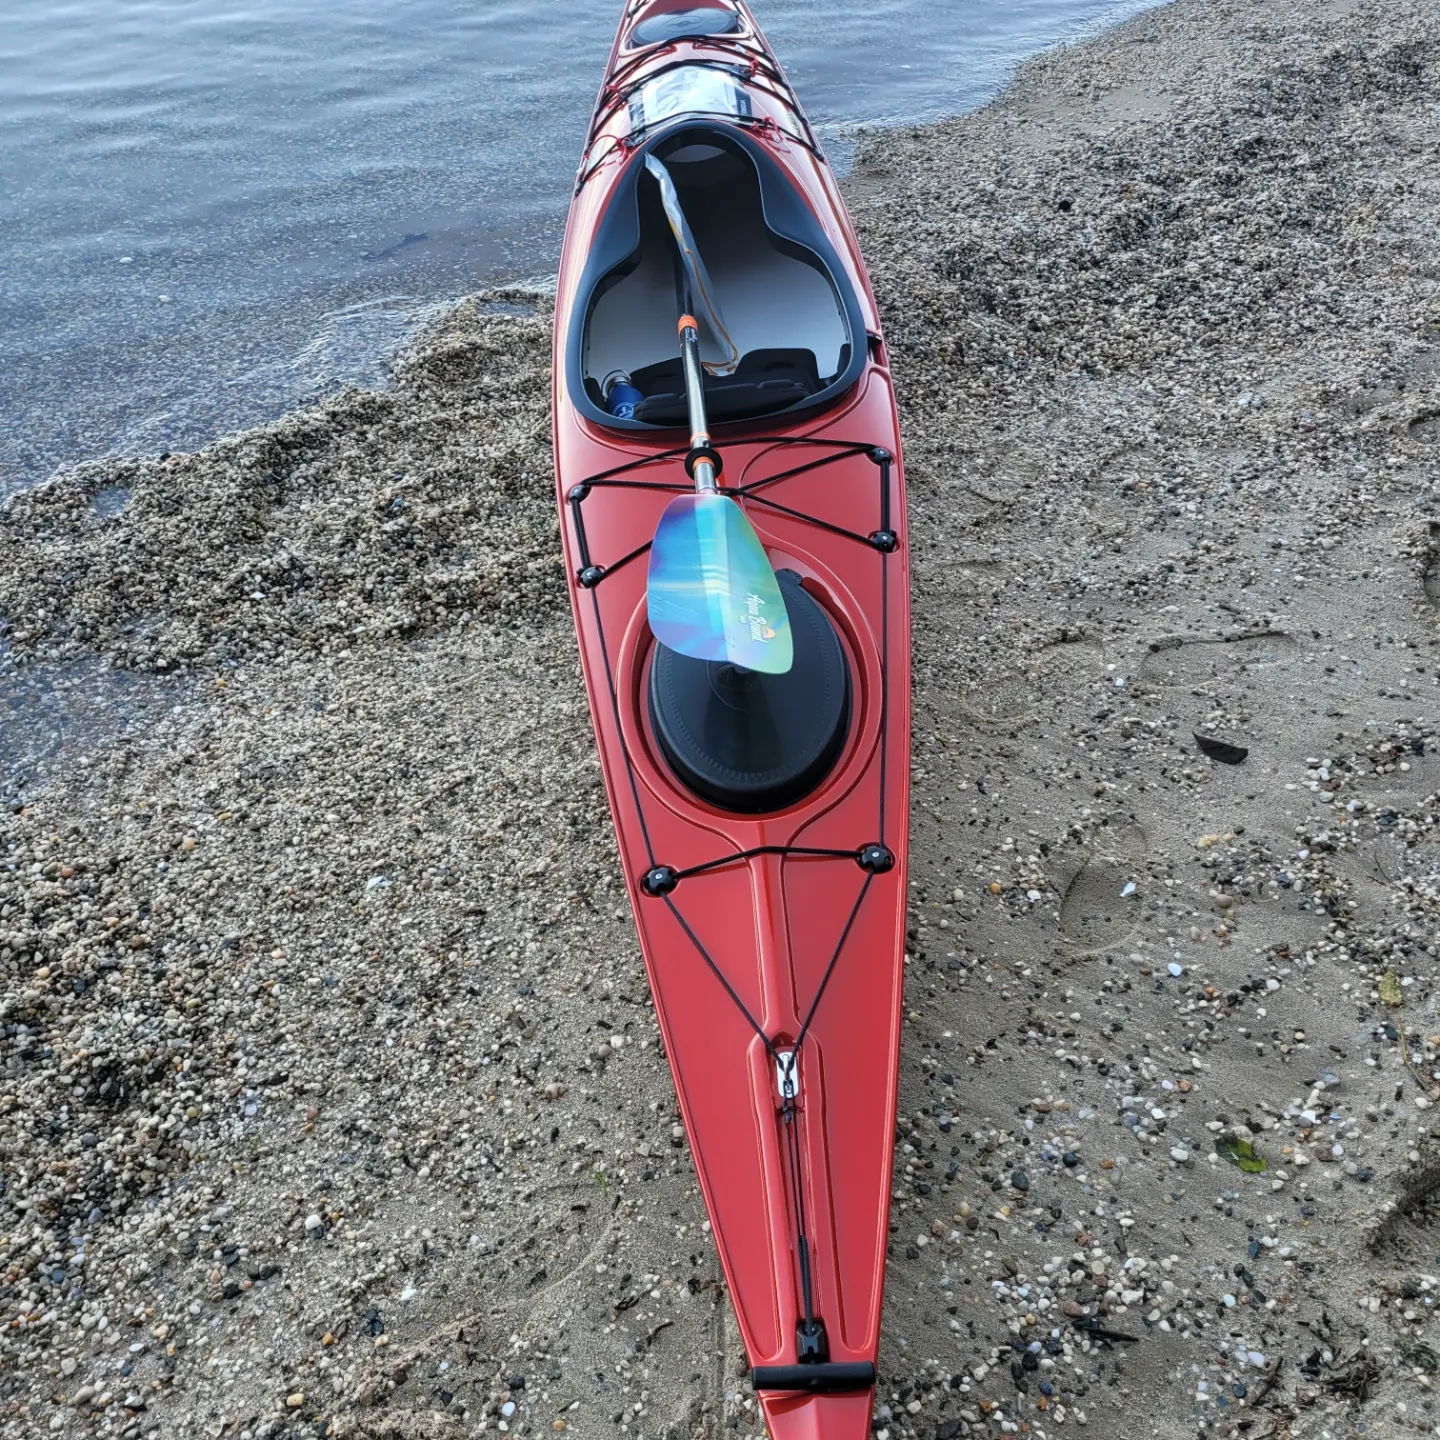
{"type": "Point", "coordinates": [761, 817]}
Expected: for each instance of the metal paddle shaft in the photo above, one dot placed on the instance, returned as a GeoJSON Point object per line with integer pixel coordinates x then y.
{"type": "Point", "coordinates": [702, 294]}
{"type": "Point", "coordinates": [711, 592]}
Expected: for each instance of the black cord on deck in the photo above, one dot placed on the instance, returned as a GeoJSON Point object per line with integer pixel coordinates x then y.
{"type": "Point", "coordinates": [875, 858]}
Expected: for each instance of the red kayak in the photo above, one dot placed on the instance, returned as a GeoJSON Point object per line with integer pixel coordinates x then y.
{"type": "Point", "coordinates": [761, 817]}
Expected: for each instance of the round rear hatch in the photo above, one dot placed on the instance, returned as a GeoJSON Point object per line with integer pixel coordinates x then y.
{"type": "Point", "coordinates": [751, 743]}
{"type": "Point", "coordinates": [693, 22]}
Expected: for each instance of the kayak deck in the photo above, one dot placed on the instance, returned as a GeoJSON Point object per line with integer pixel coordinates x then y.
{"type": "Point", "coordinates": [774, 943]}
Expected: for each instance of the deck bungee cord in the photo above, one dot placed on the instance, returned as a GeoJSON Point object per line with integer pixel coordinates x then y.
{"type": "Point", "coordinates": [759, 70]}
{"type": "Point", "coordinates": [660, 881]}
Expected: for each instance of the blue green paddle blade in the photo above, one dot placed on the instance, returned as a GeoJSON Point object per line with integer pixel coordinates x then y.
{"type": "Point", "coordinates": [712, 592]}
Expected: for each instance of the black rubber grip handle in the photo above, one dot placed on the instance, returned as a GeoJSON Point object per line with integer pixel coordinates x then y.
{"type": "Point", "coordinates": [837, 1375]}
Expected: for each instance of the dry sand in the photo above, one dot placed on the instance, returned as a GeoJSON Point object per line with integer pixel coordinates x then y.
{"type": "Point", "coordinates": [331, 1102]}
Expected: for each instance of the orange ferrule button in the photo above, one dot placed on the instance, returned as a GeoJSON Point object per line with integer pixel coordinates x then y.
{"type": "Point", "coordinates": [690, 321]}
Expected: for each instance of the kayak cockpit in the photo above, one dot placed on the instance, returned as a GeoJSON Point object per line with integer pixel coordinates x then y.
{"type": "Point", "coordinates": [791, 317]}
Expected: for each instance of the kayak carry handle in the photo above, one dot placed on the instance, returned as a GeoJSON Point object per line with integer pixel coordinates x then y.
{"type": "Point", "coordinates": [815, 1379]}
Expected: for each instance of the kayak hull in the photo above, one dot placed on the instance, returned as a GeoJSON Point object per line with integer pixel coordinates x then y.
{"type": "Point", "coordinates": [776, 934]}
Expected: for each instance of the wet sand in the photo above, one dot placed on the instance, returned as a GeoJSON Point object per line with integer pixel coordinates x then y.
{"type": "Point", "coordinates": [331, 1102]}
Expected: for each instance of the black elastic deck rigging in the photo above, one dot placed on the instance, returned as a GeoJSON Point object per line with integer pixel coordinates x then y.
{"type": "Point", "coordinates": [760, 70]}
{"type": "Point", "coordinates": [813, 1372]}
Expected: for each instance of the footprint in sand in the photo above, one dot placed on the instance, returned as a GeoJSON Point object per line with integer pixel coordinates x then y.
{"type": "Point", "coordinates": [530, 1275]}
{"type": "Point", "coordinates": [1418, 372]}
{"type": "Point", "coordinates": [1015, 695]}
{"type": "Point", "coordinates": [1201, 660]}
{"type": "Point", "coordinates": [1408, 1235]}
{"type": "Point", "coordinates": [1425, 427]}
{"type": "Point", "coordinates": [1392, 861]}
{"type": "Point", "coordinates": [1095, 911]}
{"type": "Point", "coordinates": [1430, 576]}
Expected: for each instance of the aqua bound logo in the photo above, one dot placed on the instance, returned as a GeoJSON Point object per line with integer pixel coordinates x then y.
{"type": "Point", "coordinates": [760, 628]}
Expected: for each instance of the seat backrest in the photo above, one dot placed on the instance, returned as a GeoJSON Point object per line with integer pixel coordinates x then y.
{"type": "Point", "coordinates": [793, 229]}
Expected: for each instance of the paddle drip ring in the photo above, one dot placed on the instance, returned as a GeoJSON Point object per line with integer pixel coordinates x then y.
{"type": "Point", "coordinates": [703, 452]}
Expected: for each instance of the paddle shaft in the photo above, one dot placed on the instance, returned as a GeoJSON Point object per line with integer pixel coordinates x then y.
{"type": "Point", "coordinates": [701, 295]}
{"type": "Point", "coordinates": [695, 402]}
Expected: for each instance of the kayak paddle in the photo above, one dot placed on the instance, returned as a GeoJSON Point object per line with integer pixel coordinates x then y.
{"type": "Point", "coordinates": [711, 591]}
{"type": "Point", "coordinates": [702, 297]}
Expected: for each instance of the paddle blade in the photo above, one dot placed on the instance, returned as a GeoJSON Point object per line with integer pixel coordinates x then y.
{"type": "Point", "coordinates": [712, 593]}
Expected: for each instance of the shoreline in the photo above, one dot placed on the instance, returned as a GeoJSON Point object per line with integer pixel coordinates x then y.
{"type": "Point", "coordinates": [268, 354]}
{"type": "Point", "coordinates": [318, 973]}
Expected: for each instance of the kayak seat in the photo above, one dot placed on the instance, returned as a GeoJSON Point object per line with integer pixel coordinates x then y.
{"type": "Point", "coordinates": [788, 305]}
{"type": "Point", "coordinates": [765, 381]}
{"type": "Point", "coordinates": [726, 402]}
{"type": "Point", "coordinates": [750, 743]}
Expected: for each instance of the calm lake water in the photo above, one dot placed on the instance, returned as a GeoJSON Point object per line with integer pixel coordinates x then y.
{"type": "Point", "coordinates": [215, 208]}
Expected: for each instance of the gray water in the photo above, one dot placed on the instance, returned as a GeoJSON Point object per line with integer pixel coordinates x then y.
{"type": "Point", "coordinates": [214, 209]}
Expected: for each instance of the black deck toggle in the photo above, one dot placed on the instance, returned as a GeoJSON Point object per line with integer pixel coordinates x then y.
{"type": "Point", "coordinates": [660, 880]}
{"type": "Point", "coordinates": [839, 1375]}
{"type": "Point", "coordinates": [875, 859]}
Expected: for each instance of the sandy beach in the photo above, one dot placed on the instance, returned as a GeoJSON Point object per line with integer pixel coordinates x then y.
{"type": "Point", "coordinates": [330, 1098]}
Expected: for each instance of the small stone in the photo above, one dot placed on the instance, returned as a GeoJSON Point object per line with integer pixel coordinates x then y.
{"type": "Point", "coordinates": [1020, 1180]}
{"type": "Point", "coordinates": [295, 1399]}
